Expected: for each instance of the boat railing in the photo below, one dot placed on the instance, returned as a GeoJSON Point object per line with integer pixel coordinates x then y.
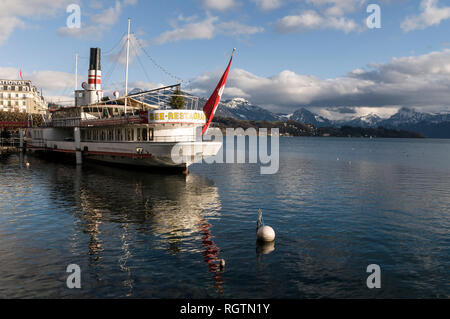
{"type": "Point", "coordinates": [113, 111]}
{"type": "Point", "coordinates": [174, 139]}
{"type": "Point", "coordinates": [66, 122]}
{"type": "Point", "coordinates": [155, 139]}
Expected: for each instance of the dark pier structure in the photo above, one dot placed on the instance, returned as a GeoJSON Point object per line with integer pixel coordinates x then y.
{"type": "Point", "coordinates": [10, 142]}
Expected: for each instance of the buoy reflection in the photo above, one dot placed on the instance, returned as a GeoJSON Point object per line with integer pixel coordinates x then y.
{"type": "Point", "coordinates": [263, 248]}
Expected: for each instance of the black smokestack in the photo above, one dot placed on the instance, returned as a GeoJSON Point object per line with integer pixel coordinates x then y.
{"type": "Point", "coordinates": [94, 63]}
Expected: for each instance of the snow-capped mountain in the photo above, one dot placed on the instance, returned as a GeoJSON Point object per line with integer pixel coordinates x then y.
{"type": "Point", "coordinates": [407, 116]}
{"type": "Point", "coordinates": [370, 120]}
{"type": "Point", "coordinates": [307, 117]}
{"type": "Point", "coordinates": [430, 125]}
{"type": "Point", "coordinates": [237, 102]}
{"type": "Point", "coordinates": [242, 109]}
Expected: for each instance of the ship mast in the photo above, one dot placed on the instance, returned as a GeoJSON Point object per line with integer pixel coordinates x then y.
{"type": "Point", "coordinates": [126, 69]}
{"type": "Point", "coordinates": [76, 71]}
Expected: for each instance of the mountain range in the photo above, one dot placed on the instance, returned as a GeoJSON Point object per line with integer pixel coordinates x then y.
{"type": "Point", "coordinates": [430, 125]}
{"type": "Point", "coordinates": [427, 124]}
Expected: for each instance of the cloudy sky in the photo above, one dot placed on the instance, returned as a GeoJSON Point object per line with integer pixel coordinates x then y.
{"type": "Point", "coordinates": [290, 53]}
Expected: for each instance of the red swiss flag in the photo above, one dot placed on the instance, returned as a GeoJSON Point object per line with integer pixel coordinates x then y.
{"type": "Point", "coordinates": [211, 105]}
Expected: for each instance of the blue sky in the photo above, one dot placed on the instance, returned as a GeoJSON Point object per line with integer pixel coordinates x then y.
{"type": "Point", "coordinates": [304, 51]}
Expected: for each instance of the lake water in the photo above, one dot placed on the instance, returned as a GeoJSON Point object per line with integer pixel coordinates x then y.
{"type": "Point", "coordinates": [337, 205]}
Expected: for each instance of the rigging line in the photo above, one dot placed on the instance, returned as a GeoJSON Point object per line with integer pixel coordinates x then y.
{"type": "Point", "coordinates": [156, 64]}
{"type": "Point", "coordinates": [109, 52]}
{"type": "Point", "coordinates": [140, 62]}
{"type": "Point", "coordinates": [110, 72]}
{"type": "Point", "coordinates": [65, 91]}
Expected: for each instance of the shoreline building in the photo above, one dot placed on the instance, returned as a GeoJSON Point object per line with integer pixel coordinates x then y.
{"type": "Point", "coordinates": [22, 96]}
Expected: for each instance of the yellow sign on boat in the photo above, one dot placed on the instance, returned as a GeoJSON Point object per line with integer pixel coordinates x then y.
{"type": "Point", "coordinates": [177, 116]}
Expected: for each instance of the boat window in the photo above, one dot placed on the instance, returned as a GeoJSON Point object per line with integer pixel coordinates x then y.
{"type": "Point", "coordinates": [150, 134]}
{"type": "Point", "coordinates": [130, 134]}
{"type": "Point", "coordinates": [144, 134]}
{"type": "Point", "coordinates": [138, 135]}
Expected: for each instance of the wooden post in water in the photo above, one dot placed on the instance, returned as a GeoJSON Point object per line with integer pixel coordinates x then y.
{"type": "Point", "coordinates": [77, 137]}
{"type": "Point", "coordinates": [21, 135]}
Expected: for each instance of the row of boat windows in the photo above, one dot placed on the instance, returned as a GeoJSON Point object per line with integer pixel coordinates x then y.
{"type": "Point", "coordinates": [118, 135]}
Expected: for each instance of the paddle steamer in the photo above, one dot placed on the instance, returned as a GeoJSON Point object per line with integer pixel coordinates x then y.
{"type": "Point", "coordinates": [138, 129]}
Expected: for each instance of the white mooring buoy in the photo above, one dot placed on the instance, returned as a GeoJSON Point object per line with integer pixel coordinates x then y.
{"type": "Point", "coordinates": [264, 233]}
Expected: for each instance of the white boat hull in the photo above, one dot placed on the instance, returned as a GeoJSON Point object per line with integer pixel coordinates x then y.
{"type": "Point", "coordinates": [133, 153]}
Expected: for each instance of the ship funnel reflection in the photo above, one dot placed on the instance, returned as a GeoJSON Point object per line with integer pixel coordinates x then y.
{"type": "Point", "coordinates": [129, 209]}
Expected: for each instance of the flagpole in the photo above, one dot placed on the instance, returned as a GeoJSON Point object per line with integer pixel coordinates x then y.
{"type": "Point", "coordinates": [126, 70]}
{"type": "Point", "coordinates": [76, 71]}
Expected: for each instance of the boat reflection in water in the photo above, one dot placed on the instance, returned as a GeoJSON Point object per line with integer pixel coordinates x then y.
{"type": "Point", "coordinates": [167, 212]}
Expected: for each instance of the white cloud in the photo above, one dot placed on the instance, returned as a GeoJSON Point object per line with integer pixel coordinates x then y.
{"type": "Point", "coordinates": [337, 7]}
{"type": "Point", "coordinates": [417, 81]}
{"type": "Point", "coordinates": [47, 80]}
{"type": "Point", "coordinates": [205, 29]}
{"type": "Point", "coordinates": [219, 5]}
{"type": "Point", "coordinates": [323, 14]}
{"type": "Point", "coordinates": [268, 5]}
{"type": "Point", "coordinates": [431, 15]}
{"type": "Point", "coordinates": [190, 31]}
{"type": "Point", "coordinates": [56, 86]}
{"type": "Point", "coordinates": [9, 73]}
{"type": "Point", "coordinates": [18, 13]}
{"type": "Point", "coordinates": [346, 114]}
{"type": "Point", "coordinates": [236, 28]}
{"type": "Point", "coordinates": [310, 20]}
